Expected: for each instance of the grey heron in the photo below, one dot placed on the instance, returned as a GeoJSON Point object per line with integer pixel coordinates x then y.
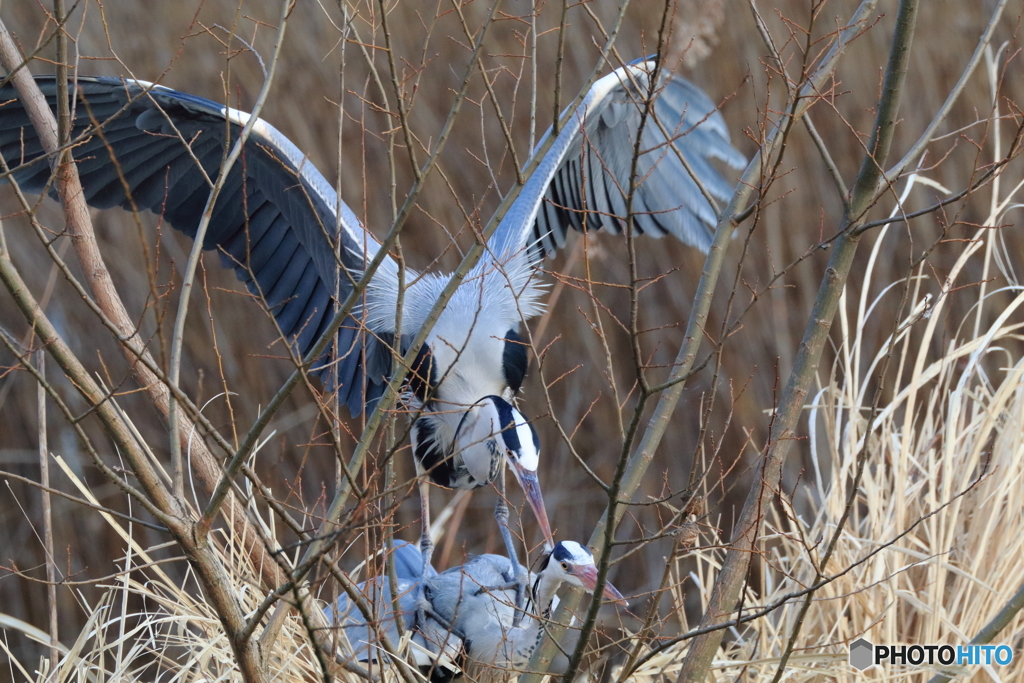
{"type": "Point", "coordinates": [470, 621]}
{"type": "Point", "coordinates": [283, 229]}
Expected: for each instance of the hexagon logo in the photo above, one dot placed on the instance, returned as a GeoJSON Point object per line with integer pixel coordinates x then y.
{"type": "Point", "coordinates": [861, 654]}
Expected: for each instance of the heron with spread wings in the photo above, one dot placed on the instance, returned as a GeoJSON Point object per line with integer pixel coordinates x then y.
{"type": "Point", "coordinates": [283, 229]}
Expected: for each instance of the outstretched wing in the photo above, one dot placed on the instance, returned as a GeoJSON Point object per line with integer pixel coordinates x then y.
{"type": "Point", "coordinates": [583, 180]}
{"type": "Point", "coordinates": [277, 221]}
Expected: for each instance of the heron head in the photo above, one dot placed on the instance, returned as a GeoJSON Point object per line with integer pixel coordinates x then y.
{"type": "Point", "coordinates": [521, 445]}
{"type": "Point", "coordinates": [493, 428]}
{"type": "Point", "coordinates": [572, 563]}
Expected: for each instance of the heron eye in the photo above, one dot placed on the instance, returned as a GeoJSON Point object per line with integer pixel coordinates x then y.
{"type": "Point", "coordinates": [565, 566]}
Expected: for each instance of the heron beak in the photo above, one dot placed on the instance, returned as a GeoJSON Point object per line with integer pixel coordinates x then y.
{"type": "Point", "coordinates": [531, 487]}
{"type": "Point", "coordinates": [587, 574]}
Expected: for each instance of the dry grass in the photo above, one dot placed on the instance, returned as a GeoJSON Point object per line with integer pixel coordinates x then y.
{"type": "Point", "coordinates": [149, 625]}
{"type": "Point", "coordinates": [931, 551]}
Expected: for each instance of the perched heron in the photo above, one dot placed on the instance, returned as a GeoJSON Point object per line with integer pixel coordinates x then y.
{"type": "Point", "coordinates": [290, 238]}
{"type": "Point", "coordinates": [469, 623]}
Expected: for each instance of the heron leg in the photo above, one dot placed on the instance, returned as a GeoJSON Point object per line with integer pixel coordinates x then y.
{"type": "Point", "coordinates": [518, 577]}
{"type": "Point", "coordinates": [426, 544]}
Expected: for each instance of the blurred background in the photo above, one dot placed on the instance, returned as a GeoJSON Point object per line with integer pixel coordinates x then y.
{"type": "Point", "coordinates": [325, 100]}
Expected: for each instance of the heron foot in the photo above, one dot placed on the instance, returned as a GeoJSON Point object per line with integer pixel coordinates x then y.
{"type": "Point", "coordinates": [424, 613]}
{"type": "Point", "coordinates": [519, 584]}
{"type": "Point", "coordinates": [424, 610]}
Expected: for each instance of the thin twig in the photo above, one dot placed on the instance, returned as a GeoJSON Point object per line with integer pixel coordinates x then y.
{"type": "Point", "coordinates": [830, 164]}
{"type": "Point", "coordinates": [403, 115]}
{"type": "Point", "coordinates": [75, 499]}
{"type": "Point", "coordinates": [613, 489]}
{"type": "Point", "coordinates": [509, 143]}
{"type": "Point", "coordinates": [915, 151]}
{"type": "Point", "coordinates": [44, 485]}
{"type": "Point", "coordinates": [178, 338]}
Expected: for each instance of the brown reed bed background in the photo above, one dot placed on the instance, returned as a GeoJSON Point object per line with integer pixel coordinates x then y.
{"type": "Point", "coordinates": [181, 45]}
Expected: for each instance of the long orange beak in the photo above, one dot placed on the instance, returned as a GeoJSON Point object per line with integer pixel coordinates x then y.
{"type": "Point", "coordinates": [531, 487]}
{"type": "Point", "coordinates": [587, 574]}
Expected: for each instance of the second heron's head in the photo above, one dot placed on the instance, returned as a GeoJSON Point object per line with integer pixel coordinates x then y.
{"type": "Point", "coordinates": [571, 562]}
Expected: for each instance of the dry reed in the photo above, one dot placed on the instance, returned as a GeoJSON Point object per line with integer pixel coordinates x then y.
{"type": "Point", "coordinates": [932, 548]}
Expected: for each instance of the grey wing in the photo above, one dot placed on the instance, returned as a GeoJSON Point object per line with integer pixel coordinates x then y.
{"type": "Point", "coordinates": [465, 595]}
{"type": "Point", "coordinates": [409, 562]}
{"type": "Point", "coordinates": [432, 643]}
{"type": "Point", "coordinates": [277, 222]}
{"type": "Point", "coordinates": [583, 181]}
{"type": "Point", "coordinates": [362, 634]}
